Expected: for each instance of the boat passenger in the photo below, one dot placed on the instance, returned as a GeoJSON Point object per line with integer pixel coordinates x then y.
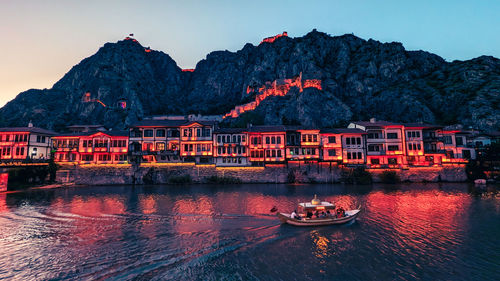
{"type": "Point", "coordinates": [294, 215]}
{"type": "Point", "coordinates": [323, 215]}
{"type": "Point", "coordinates": [309, 215]}
{"type": "Point", "coordinates": [328, 214]}
{"type": "Point", "coordinates": [340, 212]}
{"type": "Point", "coordinates": [316, 214]}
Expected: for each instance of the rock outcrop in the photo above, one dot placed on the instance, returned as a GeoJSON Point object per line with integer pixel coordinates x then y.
{"type": "Point", "coordinates": [359, 79]}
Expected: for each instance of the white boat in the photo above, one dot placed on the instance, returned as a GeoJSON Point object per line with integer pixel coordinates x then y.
{"type": "Point", "coordinates": [317, 205]}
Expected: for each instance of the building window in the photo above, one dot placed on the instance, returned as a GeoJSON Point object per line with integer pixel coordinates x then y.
{"type": "Point", "coordinates": [160, 133]}
{"type": "Point", "coordinates": [392, 161]}
{"type": "Point", "coordinates": [348, 155]}
{"type": "Point", "coordinates": [332, 152]}
{"type": "Point", "coordinates": [207, 132]}
{"type": "Point", "coordinates": [447, 140]}
{"type": "Point", "coordinates": [373, 147]}
{"type": "Point", "coordinates": [466, 154]}
{"type": "Point", "coordinates": [348, 141]}
{"type": "Point", "coordinates": [279, 153]}
{"type": "Point", "coordinates": [148, 133]}
{"type": "Point", "coordinates": [332, 140]}
{"type": "Point", "coordinates": [38, 139]}
{"type": "Point", "coordinates": [393, 147]}
{"type": "Point", "coordinates": [392, 135]}
{"type": "Point", "coordinates": [273, 140]}
{"type": "Point", "coordinates": [375, 161]}
{"type": "Point", "coordinates": [459, 140]}
{"type": "Point", "coordinates": [160, 146]}
{"type": "Point", "coordinates": [278, 140]}
{"type": "Point", "coordinates": [360, 155]}
{"type": "Point", "coordinates": [268, 140]}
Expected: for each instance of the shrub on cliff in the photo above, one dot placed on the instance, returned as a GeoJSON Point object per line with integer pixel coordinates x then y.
{"type": "Point", "coordinates": [183, 179]}
{"type": "Point", "coordinates": [389, 177]}
{"type": "Point", "coordinates": [223, 180]}
{"type": "Point", "coordinates": [356, 176]}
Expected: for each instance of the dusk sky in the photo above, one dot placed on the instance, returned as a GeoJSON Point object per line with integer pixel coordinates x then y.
{"type": "Point", "coordinates": [42, 40]}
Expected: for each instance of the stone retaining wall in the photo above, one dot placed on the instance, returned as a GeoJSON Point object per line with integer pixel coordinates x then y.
{"type": "Point", "coordinates": [309, 173]}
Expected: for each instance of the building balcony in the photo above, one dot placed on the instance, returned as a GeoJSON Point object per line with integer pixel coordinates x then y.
{"type": "Point", "coordinates": [434, 151]}
{"type": "Point", "coordinates": [381, 152]}
{"type": "Point", "coordinates": [101, 149]}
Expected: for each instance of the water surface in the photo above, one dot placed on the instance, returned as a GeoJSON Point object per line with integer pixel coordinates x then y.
{"type": "Point", "coordinates": [201, 232]}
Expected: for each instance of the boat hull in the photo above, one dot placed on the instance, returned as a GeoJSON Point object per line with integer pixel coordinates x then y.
{"type": "Point", "coordinates": [351, 215]}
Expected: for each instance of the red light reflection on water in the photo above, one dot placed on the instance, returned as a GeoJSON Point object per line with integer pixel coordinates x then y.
{"type": "Point", "coordinates": [430, 215]}
{"type": "Point", "coordinates": [3, 203]}
{"type": "Point", "coordinates": [92, 218]}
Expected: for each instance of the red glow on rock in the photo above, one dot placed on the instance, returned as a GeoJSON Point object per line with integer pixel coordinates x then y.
{"type": "Point", "coordinates": [279, 87]}
{"type": "Point", "coordinates": [188, 70]}
{"type": "Point", "coordinates": [273, 38]}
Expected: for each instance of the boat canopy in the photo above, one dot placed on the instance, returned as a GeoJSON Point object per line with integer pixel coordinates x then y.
{"type": "Point", "coordinates": [308, 206]}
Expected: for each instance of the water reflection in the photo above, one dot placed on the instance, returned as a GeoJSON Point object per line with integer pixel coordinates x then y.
{"type": "Point", "coordinates": [212, 233]}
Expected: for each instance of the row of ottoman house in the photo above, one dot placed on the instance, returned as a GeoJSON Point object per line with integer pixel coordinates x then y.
{"type": "Point", "coordinates": [371, 143]}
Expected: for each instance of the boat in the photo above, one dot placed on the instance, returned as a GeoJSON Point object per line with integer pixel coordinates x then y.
{"type": "Point", "coordinates": [339, 217]}
{"type": "Point", "coordinates": [480, 182]}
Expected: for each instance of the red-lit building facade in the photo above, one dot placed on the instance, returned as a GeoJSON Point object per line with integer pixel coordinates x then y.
{"type": "Point", "coordinates": [385, 143]}
{"type": "Point", "coordinates": [156, 140]}
{"type": "Point", "coordinates": [196, 141]}
{"type": "Point", "coordinates": [230, 147]}
{"type": "Point", "coordinates": [331, 145]}
{"type": "Point", "coordinates": [302, 144]}
{"type": "Point", "coordinates": [353, 146]}
{"type": "Point", "coordinates": [457, 146]}
{"type": "Point", "coordinates": [423, 143]}
{"type": "Point", "coordinates": [21, 143]}
{"type": "Point", "coordinates": [267, 144]}
{"type": "Point", "coordinates": [108, 147]}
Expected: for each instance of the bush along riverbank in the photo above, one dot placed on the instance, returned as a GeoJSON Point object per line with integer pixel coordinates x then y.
{"type": "Point", "coordinates": [187, 173]}
{"type": "Point", "coordinates": [31, 176]}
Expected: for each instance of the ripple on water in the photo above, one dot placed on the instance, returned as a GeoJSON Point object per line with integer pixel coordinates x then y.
{"type": "Point", "coordinates": [193, 233]}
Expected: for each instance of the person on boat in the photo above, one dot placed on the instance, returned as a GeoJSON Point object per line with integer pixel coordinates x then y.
{"type": "Point", "coordinates": [316, 214]}
{"type": "Point", "coordinates": [340, 212]}
{"type": "Point", "coordinates": [328, 214]}
{"type": "Point", "coordinates": [294, 215]}
{"type": "Point", "coordinates": [323, 214]}
{"type": "Point", "coordinates": [309, 215]}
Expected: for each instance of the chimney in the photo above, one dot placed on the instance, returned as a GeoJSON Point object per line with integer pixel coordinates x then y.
{"type": "Point", "coordinates": [30, 125]}
{"type": "Point", "coordinates": [372, 120]}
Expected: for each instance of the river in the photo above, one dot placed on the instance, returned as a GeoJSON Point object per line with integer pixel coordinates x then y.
{"type": "Point", "coordinates": [204, 232]}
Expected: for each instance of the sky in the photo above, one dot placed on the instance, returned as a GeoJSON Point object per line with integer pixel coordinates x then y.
{"type": "Point", "coordinates": [42, 40]}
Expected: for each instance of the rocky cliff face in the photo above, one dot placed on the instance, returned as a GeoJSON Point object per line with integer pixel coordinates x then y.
{"type": "Point", "coordinates": [359, 79]}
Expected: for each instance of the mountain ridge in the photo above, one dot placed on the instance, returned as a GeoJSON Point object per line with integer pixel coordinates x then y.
{"type": "Point", "coordinates": [360, 79]}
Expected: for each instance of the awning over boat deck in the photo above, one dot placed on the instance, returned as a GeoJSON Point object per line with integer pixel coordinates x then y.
{"type": "Point", "coordinates": [323, 205]}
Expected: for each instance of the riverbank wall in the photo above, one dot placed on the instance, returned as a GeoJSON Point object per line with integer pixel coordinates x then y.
{"type": "Point", "coordinates": [305, 173]}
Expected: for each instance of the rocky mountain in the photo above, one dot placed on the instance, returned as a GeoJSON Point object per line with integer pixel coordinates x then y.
{"type": "Point", "coordinates": [358, 79]}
